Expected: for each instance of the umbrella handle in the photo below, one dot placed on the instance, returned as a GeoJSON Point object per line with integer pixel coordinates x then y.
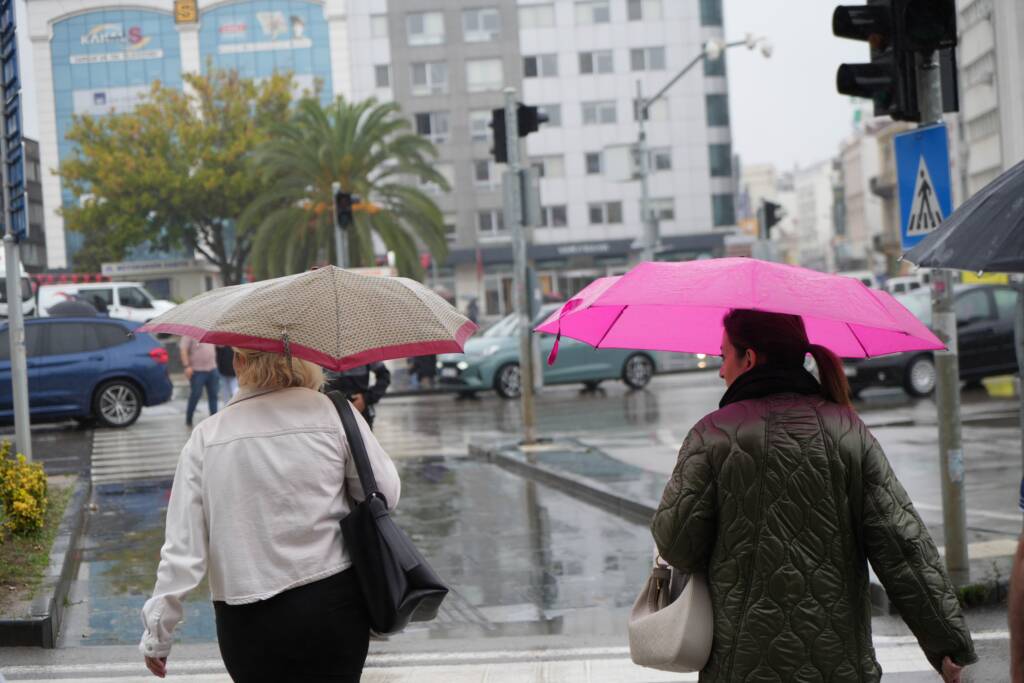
{"type": "Point", "coordinates": [554, 349]}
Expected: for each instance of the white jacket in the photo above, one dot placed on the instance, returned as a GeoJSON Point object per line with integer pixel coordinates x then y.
{"type": "Point", "coordinates": [257, 496]}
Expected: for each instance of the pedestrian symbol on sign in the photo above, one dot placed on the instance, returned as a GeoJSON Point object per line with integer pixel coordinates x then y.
{"type": "Point", "coordinates": [925, 214]}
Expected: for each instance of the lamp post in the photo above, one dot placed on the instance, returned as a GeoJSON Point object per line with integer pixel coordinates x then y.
{"type": "Point", "coordinates": [712, 49]}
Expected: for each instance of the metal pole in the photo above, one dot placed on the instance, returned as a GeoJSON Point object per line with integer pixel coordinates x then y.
{"type": "Point", "coordinates": [514, 222]}
{"type": "Point", "coordinates": [650, 226]}
{"type": "Point", "coordinates": [947, 366]}
{"type": "Point", "coordinates": [16, 330]}
{"type": "Point", "coordinates": [340, 243]}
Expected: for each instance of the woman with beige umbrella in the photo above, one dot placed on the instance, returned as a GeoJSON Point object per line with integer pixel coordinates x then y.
{"type": "Point", "coordinates": [262, 485]}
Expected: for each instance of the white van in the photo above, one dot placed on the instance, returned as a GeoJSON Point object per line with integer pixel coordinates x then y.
{"type": "Point", "coordinates": [28, 299]}
{"type": "Point", "coordinates": [125, 300]}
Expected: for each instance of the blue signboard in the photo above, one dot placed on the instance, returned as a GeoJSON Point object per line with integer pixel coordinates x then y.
{"type": "Point", "coordinates": [923, 179]}
{"type": "Point", "coordinates": [263, 37]}
{"type": "Point", "coordinates": [11, 103]}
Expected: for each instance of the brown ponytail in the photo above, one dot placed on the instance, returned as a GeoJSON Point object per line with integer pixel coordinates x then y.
{"type": "Point", "coordinates": [831, 375]}
{"type": "Point", "coordinates": [780, 340]}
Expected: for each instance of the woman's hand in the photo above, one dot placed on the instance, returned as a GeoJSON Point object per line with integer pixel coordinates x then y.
{"type": "Point", "coordinates": [950, 671]}
{"type": "Point", "coordinates": [158, 666]}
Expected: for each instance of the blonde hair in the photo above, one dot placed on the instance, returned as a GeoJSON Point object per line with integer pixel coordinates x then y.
{"type": "Point", "coordinates": [266, 370]}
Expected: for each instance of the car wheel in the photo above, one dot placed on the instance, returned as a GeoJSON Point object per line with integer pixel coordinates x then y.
{"type": "Point", "coordinates": [920, 377]}
{"type": "Point", "coordinates": [637, 371]}
{"type": "Point", "coordinates": [508, 381]}
{"type": "Point", "coordinates": [117, 404]}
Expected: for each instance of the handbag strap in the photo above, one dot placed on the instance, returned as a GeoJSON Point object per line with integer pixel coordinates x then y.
{"type": "Point", "coordinates": [356, 445]}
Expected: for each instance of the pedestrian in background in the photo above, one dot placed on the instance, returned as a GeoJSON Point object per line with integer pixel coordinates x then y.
{"type": "Point", "coordinates": [426, 370]}
{"type": "Point", "coordinates": [355, 384]}
{"type": "Point", "coordinates": [226, 368]}
{"type": "Point", "coordinates": [780, 498]}
{"type": "Point", "coordinates": [473, 310]}
{"type": "Point", "coordinates": [200, 361]}
{"type": "Point", "coordinates": [255, 505]}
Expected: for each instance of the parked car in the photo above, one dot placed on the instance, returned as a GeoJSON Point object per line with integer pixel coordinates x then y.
{"type": "Point", "coordinates": [491, 361]}
{"type": "Point", "coordinates": [985, 315]}
{"type": "Point", "coordinates": [87, 369]}
{"type": "Point", "coordinates": [125, 300]}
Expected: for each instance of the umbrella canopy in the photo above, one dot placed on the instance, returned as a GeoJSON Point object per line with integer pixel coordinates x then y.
{"type": "Point", "coordinates": [72, 308]}
{"type": "Point", "coordinates": [679, 307]}
{"type": "Point", "coordinates": [329, 316]}
{"type": "Point", "coordinates": [985, 234]}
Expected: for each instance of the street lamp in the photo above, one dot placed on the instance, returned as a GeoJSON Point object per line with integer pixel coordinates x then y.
{"type": "Point", "coordinates": [712, 49]}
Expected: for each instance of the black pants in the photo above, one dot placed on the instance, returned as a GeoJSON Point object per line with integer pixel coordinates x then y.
{"type": "Point", "coordinates": [316, 632]}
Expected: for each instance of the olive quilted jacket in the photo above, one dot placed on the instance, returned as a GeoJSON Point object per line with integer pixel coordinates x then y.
{"type": "Point", "coordinates": [760, 499]}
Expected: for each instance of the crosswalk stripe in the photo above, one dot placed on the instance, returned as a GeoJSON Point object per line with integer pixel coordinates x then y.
{"type": "Point", "coordinates": [149, 449]}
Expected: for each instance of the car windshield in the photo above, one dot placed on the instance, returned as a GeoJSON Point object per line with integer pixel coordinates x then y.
{"type": "Point", "coordinates": [918, 302]}
{"type": "Point", "coordinates": [507, 327]}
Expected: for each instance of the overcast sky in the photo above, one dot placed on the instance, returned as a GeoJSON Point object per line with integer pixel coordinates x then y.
{"type": "Point", "coordinates": [785, 109]}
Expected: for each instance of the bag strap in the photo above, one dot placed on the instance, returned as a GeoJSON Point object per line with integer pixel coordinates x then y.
{"type": "Point", "coordinates": [356, 445]}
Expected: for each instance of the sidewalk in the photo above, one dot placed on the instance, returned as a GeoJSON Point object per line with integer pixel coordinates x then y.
{"type": "Point", "coordinates": [625, 473]}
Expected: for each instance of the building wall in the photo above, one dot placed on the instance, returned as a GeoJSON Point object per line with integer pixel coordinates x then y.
{"type": "Point", "coordinates": [814, 213]}
{"type": "Point", "coordinates": [33, 248]}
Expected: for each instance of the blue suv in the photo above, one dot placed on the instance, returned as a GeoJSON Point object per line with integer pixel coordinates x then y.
{"type": "Point", "coordinates": [87, 369]}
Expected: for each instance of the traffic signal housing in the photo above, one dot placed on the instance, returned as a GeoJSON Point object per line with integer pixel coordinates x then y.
{"type": "Point", "coordinates": [528, 120]}
{"type": "Point", "coordinates": [344, 202]}
{"type": "Point", "coordinates": [771, 213]}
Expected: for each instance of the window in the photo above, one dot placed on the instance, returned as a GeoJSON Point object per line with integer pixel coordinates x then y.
{"type": "Point", "coordinates": [450, 232]}
{"type": "Point", "coordinates": [68, 338]}
{"type": "Point", "coordinates": [32, 171]}
{"type": "Point", "coordinates": [110, 335]}
{"type": "Point", "coordinates": [647, 59]}
{"type": "Point", "coordinates": [480, 125]}
{"type": "Point", "coordinates": [593, 12]}
{"type": "Point", "coordinates": [490, 222]}
{"type": "Point", "coordinates": [537, 16]}
{"type": "Point", "coordinates": [720, 160]}
{"type": "Point", "coordinates": [481, 25]}
{"type": "Point", "coordinates": [718, 110]}
{"type": "Point", "coordinates": [35, 337]}
{"type": "Point", "coordinates": [379, 26]}
{"type": "Point", "coordinates": [723, 211]}
{"type": "Point", "coordinates": [551, 166]}
{"type": "Point", "coordinates": [554, 216]}
{"type": "Point", "coordinates": [972, 305]}
{"type": "Point", "coordinates": [484, 74]}
{"type": "Point", "coordinates": [710, 12]}
{"type": "Point", "coordinates": [1006, 303]}
{"type": "Point", "coordinates": [605, 212]}
{"type": "Point", "coordinates": [593, 163]}
{"type": "Point", "coordinates": [599, 62]}
{"type": "Point", "coordinates": [554, 114]}
{"type": "Point", "coordinates": [447, 172]}
{"type": "Point", "coordinates": [484, 174]}
{"type": "Point", "coordinates": [429, 78]}
{"type": "Point", "coordinates": [382, 76]}
{"type": "Point", "coordinates": [638, 10]}
{"type": "Point", "coordinates": [101, 299]}
{"type": "Point", "coordinates": [599, 112]}
{"type": "Point", "coordinates": [35, 213]}
{"type": "Point", "coordinates": [540, 66]}
{"type": "Point", "coordinates": [714, 67]}
{"type": "Point", "coordinates": [133, 297]}
{"type": "Point", "coordinates": [661, 159]}
{"type": "Point", "coordinates": [433, 125]}
{"type": "Point", "coordinates": [425, 28]}
{"type": "Point", "coordinates": [664, 209]}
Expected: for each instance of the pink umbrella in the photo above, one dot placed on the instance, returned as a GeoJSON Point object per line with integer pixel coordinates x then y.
{"type": "Point", "coordinates": [679, 307]}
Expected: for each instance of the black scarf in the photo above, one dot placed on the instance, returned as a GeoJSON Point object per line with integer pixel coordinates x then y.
{"type": "Point", "coordinates": [765, 380]}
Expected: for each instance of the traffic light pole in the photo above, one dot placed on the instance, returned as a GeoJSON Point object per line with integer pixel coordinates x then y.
{"type": "Point", "coordinates": [340, 243]}
{"type": "Point", "coordinates": [514, 222]}
{"type": "Point", "coordinates": [947, 366]}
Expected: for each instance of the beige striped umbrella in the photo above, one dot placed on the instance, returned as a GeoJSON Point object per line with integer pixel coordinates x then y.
{"type": "Point", "coordinates": [329, 316]}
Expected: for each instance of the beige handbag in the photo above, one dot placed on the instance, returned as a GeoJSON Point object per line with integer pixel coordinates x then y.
{"type": "Point", "coordinates": [671, 625]}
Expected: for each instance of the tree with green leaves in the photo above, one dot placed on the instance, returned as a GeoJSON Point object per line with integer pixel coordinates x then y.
{"type": "Point", "coordinates": [176, 172]}
{"type": "Point", "coordinates": [370, 150]}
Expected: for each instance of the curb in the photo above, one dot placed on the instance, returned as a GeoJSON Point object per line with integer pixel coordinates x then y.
{"type": "Point", "coordinates": [976, 594]}
{"type": "Point", "coordinates": [42, 626]}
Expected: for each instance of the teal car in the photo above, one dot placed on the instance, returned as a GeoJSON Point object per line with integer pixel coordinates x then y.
{"type": "Point", "coordinates": [491, 361]}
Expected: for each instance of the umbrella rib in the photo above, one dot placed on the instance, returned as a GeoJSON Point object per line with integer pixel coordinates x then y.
{"type": "Point", "coordinates": [609, 329]}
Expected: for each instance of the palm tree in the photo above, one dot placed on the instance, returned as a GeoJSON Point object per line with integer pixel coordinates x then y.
{"type": "Point", "coordinates": [368, 148]}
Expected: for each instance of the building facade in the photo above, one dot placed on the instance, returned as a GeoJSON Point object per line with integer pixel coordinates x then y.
{"type": "Point", "coordinates": [446, 63]}
{"type": "Point", "coordinates": [33, 248]}
{"type": "Point", "coordinates": [991, 63]}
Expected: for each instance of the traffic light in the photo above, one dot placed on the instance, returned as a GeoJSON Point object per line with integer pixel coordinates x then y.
{"type": "Point", "coordinates": [771, 214]}
{"type": "Point", "coordinates": [896, 30]}
{"type": "Point", "coordinates": [528, 121]}
{"type": "Point", "coordinates": [343, 204]}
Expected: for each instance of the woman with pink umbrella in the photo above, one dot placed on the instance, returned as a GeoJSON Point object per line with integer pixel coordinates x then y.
{"type": "Point", "coordinates": [782, 496]}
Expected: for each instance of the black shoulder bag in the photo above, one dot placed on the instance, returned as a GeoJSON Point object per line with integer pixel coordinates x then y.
{"type": "Point", "coordinates": [397, 583]}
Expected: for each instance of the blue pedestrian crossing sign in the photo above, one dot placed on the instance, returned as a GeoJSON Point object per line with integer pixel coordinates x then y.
{"type": "Point", "coordinates": [923, 180]}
